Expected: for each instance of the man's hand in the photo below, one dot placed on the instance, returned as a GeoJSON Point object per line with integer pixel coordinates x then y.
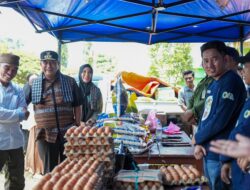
{"type": "Point", "coordinates": [26, 113]}
{"type": "Point", "coordinates": [199, 152]}
{"type": "Point", "coordinates": [243, 163]}
{"type": "Point", "coordinates": [232, 148]}
{"type": "Point", "coordinates": [226, 173]}
{"type": "Point", "coordinates": [187, 116]}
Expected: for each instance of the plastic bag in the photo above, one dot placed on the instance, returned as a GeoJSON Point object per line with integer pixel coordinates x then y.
{"type": "Point", "coordinates": [119, 98]}
{"type": "Point", "coordinates": [152, 120]}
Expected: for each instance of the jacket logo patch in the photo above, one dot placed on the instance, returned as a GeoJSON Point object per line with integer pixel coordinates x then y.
{"type": "Point", "coordinates": [228, 95]}
{"type": "Point", "coordinates": [246, 114]}
{"type": "Point", "coordinates": [208, 105]}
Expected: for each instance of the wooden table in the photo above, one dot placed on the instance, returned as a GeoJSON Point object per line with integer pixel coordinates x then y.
{"type": "Point", "coordinates": [170, 155]}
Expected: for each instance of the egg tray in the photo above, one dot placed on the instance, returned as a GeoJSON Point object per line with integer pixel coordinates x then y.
{"type": "Point", "coordinates": [56, 176]}
{"type": "Point", "coordinates": [103, 158]}
{"type": "Point", "coordinates": [90, 141]}
{"type": "Point", "coordinates": [80, 135]}
{"type": "Point", "coordinates": [174, 175]}
{"type": "Point", "coordinates": [197, 181]}
{"type": "Point", "coordinates": [139, 186]}
{"type": "Point", "coordinates": [92, 149]}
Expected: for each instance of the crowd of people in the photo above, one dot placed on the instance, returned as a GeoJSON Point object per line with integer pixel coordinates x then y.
{"type": "Point", "coordinates": [220, 108]}
{"type": "Point", "coordinates": [218, 105]}
{"type": "Point", "coordinates": [57, 102]}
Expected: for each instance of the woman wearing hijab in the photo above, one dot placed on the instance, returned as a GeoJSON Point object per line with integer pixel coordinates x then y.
{"type": "Point", "coordinates": [91, 95]}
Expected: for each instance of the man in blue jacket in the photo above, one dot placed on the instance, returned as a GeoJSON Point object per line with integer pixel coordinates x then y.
{"type": "Point", "coordinates": [224, 100]}
{"type": "Point", "coordinates": [239, 177]}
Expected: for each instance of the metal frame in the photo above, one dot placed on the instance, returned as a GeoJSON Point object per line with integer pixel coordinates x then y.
{"type": "Point", "coordinates": [155, 11]}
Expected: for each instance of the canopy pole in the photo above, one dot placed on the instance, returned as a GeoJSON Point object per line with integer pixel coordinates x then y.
{"type": "Point", "coordinates": [59, 49]}
{"type": "Point", "coordinates": [241, 39]}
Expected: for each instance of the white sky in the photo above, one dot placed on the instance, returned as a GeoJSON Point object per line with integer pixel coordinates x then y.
{"type": "Point", "coordinates": [130, 56]}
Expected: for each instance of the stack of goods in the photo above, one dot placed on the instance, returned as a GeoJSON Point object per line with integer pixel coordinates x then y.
{"type": "Point", "coordinates": [90, 161]}
{"type": "Point", "coordinates": [182, 175]}
{"type": "Point", "coordinates": [130, 130]}
{"type": "Point", "coordinates": [86, 143]}
{"type": "Point", "coordinates": [73, 175]}
{"type": "Point", "coordinates": [135, 137]}
{"type": "Point", "coordinates": [144, 179]}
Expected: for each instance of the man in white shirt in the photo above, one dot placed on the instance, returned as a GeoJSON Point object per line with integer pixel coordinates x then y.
{"type": "Point", "coordinates": [12, 111]}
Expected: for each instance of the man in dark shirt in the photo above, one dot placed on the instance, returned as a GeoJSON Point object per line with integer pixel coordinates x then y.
{"type": "Point", "coordinates": [224, 100]}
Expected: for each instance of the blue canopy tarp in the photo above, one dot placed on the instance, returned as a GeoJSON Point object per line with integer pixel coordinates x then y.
{"type": "Point", "coordinates": [142, 21]}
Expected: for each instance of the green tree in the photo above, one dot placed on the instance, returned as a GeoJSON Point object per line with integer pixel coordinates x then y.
{"type": "Point", "coordinates": [28, 63]}
{"type": "Point", "coordinates": [101, 64]}
{"type": "Point", "coordinates": [88, 53]}
{"type": "Point", "coordinates": [64, 55]}
{"type": "Point", "coordinates": [104, 64]}
{"type": "Point", "coordinates": [169, 60]}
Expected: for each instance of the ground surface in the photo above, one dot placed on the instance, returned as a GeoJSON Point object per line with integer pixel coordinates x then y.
{"type": "Point", "coordinates": [30, 180]}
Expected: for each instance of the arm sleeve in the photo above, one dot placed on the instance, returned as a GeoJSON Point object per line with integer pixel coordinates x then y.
{"type": "Point", "coordinates": [243, 129]}
{"type": "Point", "coordinates": [191, 103]}
{"type": "Point", "coordinates": [219, 120]}
{"type": "Point", "coordinates": [14, 115]}
{"type": "Point", "coordinates": [180, 97]}
{"type": "Point", "coordinates": [76, 95]}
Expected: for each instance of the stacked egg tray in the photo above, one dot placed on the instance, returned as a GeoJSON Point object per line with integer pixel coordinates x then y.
{"type": "Point", "coordinates": [182, 175]}
{"type": "Point", "coordinates": [91, 143]}
{"type": "Point", "coordinates": [141, 180]}
{"type": "Point", "coordinates": [73, 175]}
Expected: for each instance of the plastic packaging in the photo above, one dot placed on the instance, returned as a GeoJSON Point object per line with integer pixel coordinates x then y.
{"type": "Point", "coordinates": [158, 131]}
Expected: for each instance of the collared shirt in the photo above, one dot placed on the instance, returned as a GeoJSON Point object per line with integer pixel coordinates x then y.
{"type": "Point", "coordinates": [185, 95]}
{"type": "Point", "coordinates": [12, 102]}
{"type": "Point", "coordinates": [197, 101]}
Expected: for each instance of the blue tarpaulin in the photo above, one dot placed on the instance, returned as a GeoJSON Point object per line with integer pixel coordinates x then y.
{"type": "Point", "coordinates": [142, 21]}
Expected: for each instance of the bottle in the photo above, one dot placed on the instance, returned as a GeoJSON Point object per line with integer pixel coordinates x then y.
{"type": "Point", "coordinates": [158, 131]}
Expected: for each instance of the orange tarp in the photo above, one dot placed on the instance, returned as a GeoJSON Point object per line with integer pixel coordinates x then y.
{"type": "Point", "coordinates": [145, 86]}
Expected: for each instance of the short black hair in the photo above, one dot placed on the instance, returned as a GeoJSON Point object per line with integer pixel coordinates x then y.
{"type": "Point", "coordinates": [232, 52]}
{"type": "Point", "coordinates": [187, 73]}
{"type": "Point", "coordinates": [216, 44]}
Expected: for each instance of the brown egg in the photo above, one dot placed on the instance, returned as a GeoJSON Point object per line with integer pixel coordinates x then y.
{"type": "Point", "coordinates": [95, 141]}
{"type": "Point", "coordinates": [107, 148]}
{"type": "Point", "coordinates": [184, 177]}
{"type": "Point", "coordinates": [80, 141]}
{"type": "Point", "coordinates": [70, 131]}
{"type": "Point", "coordinates": [87, 140]}
{"type": "Point", "coordinates": [42, 182]}
{"type": "Point", "coordinates": [91, 148]}
{"type": "Point", "coordinates": [92, 131]}
{"type": "Point", "coordinates": [80, 156]}
{"type": "Point", "coordinates": [150, 184]}
{"type": "Point", "coordinates": [57, 169]}
{"type": "Point", "coordinates": [55, 177]}
{"type": "Point", "coordinates": [85, 131]}
{"type": "Point", "coordinates": [91, 171]}
{"type": "Point", "coordinates": [48, 186]}
{"type": "Point", "coordinates": [87, 156]}
{"type": "Point", "coordinates": [103, 140]}
{"type": "Point", "coordinates": [107, 131]}
{"type": "Point", "coordinates": [72, 141]}
{"type": "Point", "coordinates": [99, 131]}
{"type": "Point", "coordinates": [77, 131]}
